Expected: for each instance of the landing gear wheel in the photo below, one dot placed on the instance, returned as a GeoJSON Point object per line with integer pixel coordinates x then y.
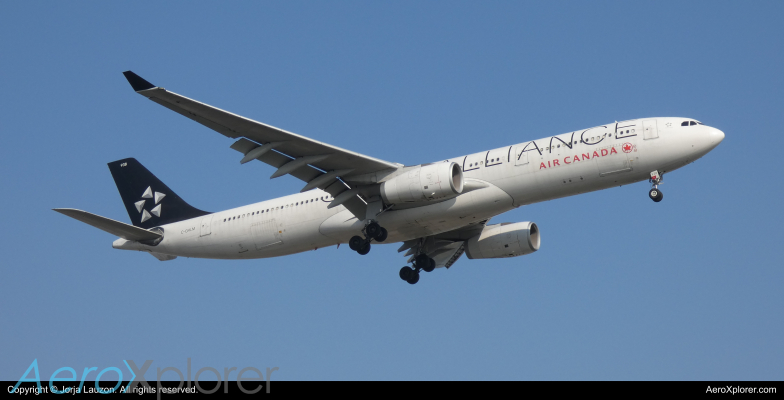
{"type": "Point", "coordinates": [372, 230]}
{"type": "Point", "coordinates": [656, 179]}
{"type": "Point", "coordinates": [381, 235]}
{"type": "Point", "coordinates": [421, 261]}
{"type": "Point", "coordinates": [364, 249]}
{"type": "Point", "coordinates": [413, 277]}
{"type": "Point", "coordinates": [656, 195]}
{"type": "Point", "coordinates": [355, 243]}
{"type": "Point", "coordinates": [430, 265]}
{"type": "Point", "coordinates": [406, 272]}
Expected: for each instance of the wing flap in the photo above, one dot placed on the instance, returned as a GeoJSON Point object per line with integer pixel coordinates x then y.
{"type": "Point", "coordinates": [117, 228]}
{"type": "Point", "coordinates": [445, 248]}
{"type": "Point", "coordinates": [275, 159]}
{"type": "Point", "coordinates": [448, 256]}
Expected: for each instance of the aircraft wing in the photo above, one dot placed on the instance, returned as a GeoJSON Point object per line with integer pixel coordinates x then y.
{"type": "Point", "coordinates": [445, 248]}
{"type": "Point", "coordinates": [321, 165]}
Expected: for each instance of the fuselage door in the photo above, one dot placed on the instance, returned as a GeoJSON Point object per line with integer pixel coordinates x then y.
{"type": "Point", "coordinates": [522, 153]}
{"type": "Point", "coordinates": [522, 158]}
{"type": "Point", "coordinates": [613, 159]}
{"type": "Point", "coordinates": [266, 233]}
{"type": "Point", "coordinates": [205, 226]}
{"type": "Point", "coordinates": [649, 129]}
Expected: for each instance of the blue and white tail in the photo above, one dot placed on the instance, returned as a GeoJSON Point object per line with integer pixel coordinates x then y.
{"type": "Point", "coordinates": [149, 201]}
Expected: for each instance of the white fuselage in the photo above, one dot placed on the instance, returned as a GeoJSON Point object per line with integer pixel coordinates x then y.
{"type": "Point", "coordinates": [530, 172]}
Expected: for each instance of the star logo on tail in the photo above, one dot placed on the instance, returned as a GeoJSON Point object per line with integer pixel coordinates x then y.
{"type": "Point", "coordinates": [156, 197]}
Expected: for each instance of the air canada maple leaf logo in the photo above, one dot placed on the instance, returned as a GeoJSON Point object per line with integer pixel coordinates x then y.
{"type": "Point", "coordinates": [156, 197]}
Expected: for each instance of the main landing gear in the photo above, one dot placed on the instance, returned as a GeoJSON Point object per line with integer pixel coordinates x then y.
{"type": "Point", "coordinates": [421, 262]}
{"type": "Point", "coordinates": [655, 194]}
{"type": "Point", "coordinates": [372, 231]}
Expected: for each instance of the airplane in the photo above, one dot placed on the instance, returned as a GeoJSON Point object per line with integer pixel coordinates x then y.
{"type": "Point", "coordinates": [438, 210]}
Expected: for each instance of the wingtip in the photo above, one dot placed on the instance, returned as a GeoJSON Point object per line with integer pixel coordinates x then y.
{"type": "Point", "coordinates": [137, 82]}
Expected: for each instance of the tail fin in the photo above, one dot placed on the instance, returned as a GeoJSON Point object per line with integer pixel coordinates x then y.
{"type": "Point", "coordinates": [149, 201]}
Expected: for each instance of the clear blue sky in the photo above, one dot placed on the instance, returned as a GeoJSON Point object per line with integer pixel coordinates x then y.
{"type": "Point", "coordinates": [622, 288]}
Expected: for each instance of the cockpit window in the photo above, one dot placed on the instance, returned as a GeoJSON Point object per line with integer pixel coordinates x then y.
{"type": "Point", "coordinates": [692, 123]}
{"type": "Point", "coordinates": [685, 123]}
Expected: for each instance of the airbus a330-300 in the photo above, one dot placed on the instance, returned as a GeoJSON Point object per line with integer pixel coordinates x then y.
{"type": "Point", "coordinates": [438, 210]}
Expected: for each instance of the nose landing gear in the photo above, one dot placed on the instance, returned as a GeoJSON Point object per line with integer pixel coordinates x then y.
{"type": "Point", "coordinates": [372, 231]}
{"type": "Point", "coordinates": [421, 262]}
{"type": "Point", "coordinates": [655, 194]}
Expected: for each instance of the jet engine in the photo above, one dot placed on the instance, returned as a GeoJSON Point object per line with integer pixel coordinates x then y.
{"type": "Point", "coordinates": [423, 183]}
{"type": "Point", "coordinates": [504, 240]}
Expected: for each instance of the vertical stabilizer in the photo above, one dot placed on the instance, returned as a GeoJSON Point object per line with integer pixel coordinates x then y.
{"type": "Point", "coordinates": [149, 201]}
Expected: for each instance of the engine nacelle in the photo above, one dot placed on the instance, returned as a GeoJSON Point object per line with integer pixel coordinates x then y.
{"type": "Point", "coordinates": [429, 182]}
{"type": "Point", "coordinates": [504, 240]}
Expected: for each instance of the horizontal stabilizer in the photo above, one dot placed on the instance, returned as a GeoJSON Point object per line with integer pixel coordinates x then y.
{"type": "Point", "coordinates": [117, 228]}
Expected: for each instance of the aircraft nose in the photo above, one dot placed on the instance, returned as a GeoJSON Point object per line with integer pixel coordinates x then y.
{"type": "Point", "coordinates": [716, 136]}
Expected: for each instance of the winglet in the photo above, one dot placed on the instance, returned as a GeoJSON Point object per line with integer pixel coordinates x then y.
{"type": "Point", "coordinates": [137, 82]}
